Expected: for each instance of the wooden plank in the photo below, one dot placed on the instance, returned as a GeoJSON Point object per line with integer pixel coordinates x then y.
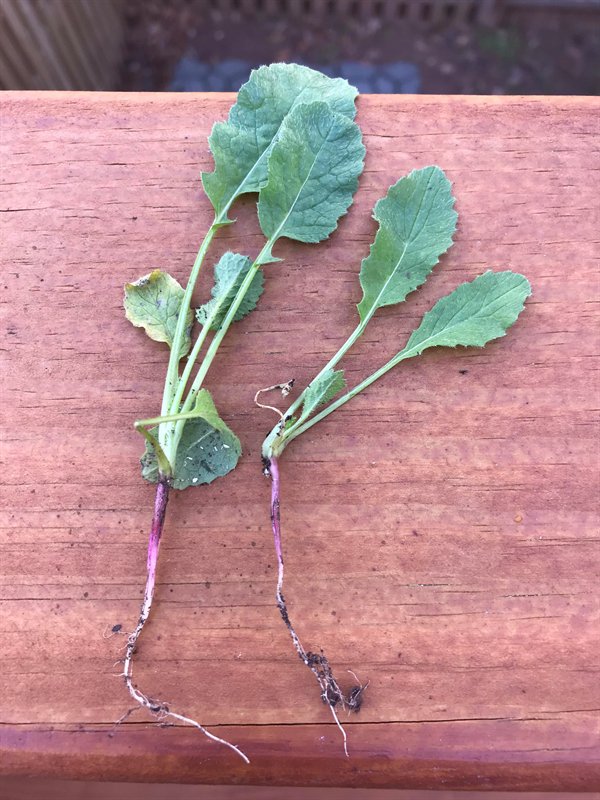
{"type": "Point", "coordinates": [48, 789]}
{"type": "Point", "coordinates": [44, 789]}
{"type": "Point", "coordinates": [440, 532]}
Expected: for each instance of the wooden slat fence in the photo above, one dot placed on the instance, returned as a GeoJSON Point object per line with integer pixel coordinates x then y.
{"type": "Point", "coordinates": [60, 44]}
{"type": "Point", "coordinates": [77, 44]}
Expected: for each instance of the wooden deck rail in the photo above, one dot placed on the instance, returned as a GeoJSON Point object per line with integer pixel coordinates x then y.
{"type": "Point", "coordinates": [441, 533]}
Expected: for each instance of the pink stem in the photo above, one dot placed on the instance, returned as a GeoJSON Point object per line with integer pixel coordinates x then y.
{"type": "Point", "coordinates": [276, 516]}
{"type": "Point", "coordinates": [156, 529]}
{"type": "Point", "coordinates": [158, 520]}
{"type": "Point", "coordinates": [317, 663]}
{"type": "Point", "coordinates": [157, 706]}
{"type": "Point", "coordinates": [273, 468]}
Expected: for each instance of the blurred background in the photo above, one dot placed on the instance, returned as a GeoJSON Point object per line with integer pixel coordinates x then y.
{"type": "Point", "coordinates": [386, 46]}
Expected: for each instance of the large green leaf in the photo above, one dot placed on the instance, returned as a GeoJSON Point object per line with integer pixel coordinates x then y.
{"type": "Point", "coordinates": [416, 223]}
{"type": "Point", "coordinates": [230, 271]}
{"type": "Point", "coordinates": [153, 303]}
{"type": "Point", "coordinates": [208, 448]}
{"type": "Point", "coordinates": [322, 389]}
{"type": "Point", "coordinates": [473, 314]}
{"type": "Point", "coordinates": [313, 174]}
{"type": "Point", "coordinates": [241, 146]}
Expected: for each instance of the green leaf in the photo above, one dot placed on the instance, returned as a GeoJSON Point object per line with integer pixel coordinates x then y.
{"type": "Point", "coordinates": [230, 272]}
{"type": "Point", "coordinates": [321, 391]}
{"type": "Point", "coordinates": [208, 448]}
{"type": "Point", "coordinates": [289, 422]}
{"type": "Point", "coordinates": [241, 146]}
{"type": "Point", "coordinates": [473, 314]}
{"type": "Point", "coordinates": [313, 174]}
{"type": "Point", "coordinates": [416, 223]}
{"type": "Point", "coordinates": [153, 303]}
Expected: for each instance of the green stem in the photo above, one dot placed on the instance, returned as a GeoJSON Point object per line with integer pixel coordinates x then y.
{"type": "Point", "coordinates": [351, 340]}
{"type": "Point", "coordinates": [173, 368]}
{"type": "Point", "coordinates": [164, 465]}
{"type": "Point", "coordinates": [402, 356]}
{"type": "Point", "coordinates": [138, 424]}
{"type": "Point", "coordinates": [141, 426]}
{"type": "Point", "coordinates": [262, 258]}
{"type": "Point", "coordinates": [191, 360]}
{"type": "Point", "coordinates": [269, 442]}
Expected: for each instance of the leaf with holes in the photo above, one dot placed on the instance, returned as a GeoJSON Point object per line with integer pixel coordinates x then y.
{"type": "Point", "coordinates": [230, 271]}
{"type": "Point", "coordinates": [208, 448]}
{"type": "Point", "coordinates": [153, 303]}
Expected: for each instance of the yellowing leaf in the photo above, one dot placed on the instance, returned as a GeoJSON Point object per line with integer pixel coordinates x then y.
{"type": "Point", "coordinates": [153, 303]}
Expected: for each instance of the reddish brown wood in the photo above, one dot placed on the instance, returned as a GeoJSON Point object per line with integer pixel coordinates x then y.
{"type": "Point", "coordinates": [441, 532]}
{"type": "Point", "coordinates": [53, 789]}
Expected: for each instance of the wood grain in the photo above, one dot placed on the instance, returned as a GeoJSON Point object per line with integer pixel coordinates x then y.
{"type": "Point", "coordinates": [53, 789]}
{"type": "Point", "coordinates": [440, 532]}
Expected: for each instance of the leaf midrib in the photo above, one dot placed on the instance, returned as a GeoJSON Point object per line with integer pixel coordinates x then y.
{"type": "Point", "coordinates": [375, 305]}
{"type": "Point", "coordinates": [450, 327]}
{"type": "Point", "coordinates": [277, 234]}
{"type": "Point", "coordinates": [295, 103]}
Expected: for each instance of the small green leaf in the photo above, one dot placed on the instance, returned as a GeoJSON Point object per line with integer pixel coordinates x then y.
{"type": "Point", "coordinates": [313, 174]}
{"type": "Point", "coordinates": [321, 391]}
{"type": "Point", "coordinates": [289, 422]}
{"type": "Point", "coordinates": [416, 223]}
{"type": "Point", "coordinates": [473, 314]}
{"type": "Point", "coordinates": [241, 146]}
{"type": "Point", "coordinates": [230, 272]}
{"type": "Point", "coordinates": [153, 303]}
{"type": "Point", "coordinates": [208, 448]}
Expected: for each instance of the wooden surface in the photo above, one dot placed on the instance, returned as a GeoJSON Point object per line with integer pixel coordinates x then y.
{"type": "Point", "coordinates": [441, 532]}
{"type": "Point", "coordinates": [15, 788]}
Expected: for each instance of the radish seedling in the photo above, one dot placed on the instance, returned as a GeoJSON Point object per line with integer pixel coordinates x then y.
{"type": "Point", "coordinates": [416, 224]}
{"type": "Point", "coordinates": [291, 138]}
